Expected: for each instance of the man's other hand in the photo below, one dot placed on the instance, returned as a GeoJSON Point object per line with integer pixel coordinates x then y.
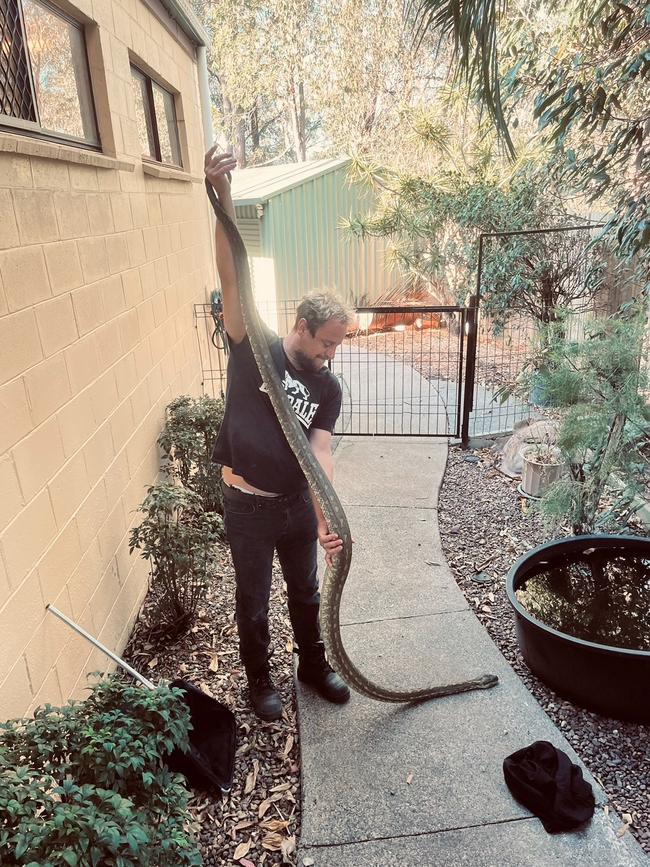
{"type": "Point", "coordinates": [331, 544]}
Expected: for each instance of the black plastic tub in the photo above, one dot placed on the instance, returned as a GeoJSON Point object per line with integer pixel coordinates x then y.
{"type": "Point", "coordinates": [612, 681]}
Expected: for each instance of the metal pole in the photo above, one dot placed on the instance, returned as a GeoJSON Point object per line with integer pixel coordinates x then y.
{"type": "Point", "coordinates": [78, 629]}
{"type": "Point", "coordinates": [470, 368]}
{"type": "Point", "coordinates": [461, 352]}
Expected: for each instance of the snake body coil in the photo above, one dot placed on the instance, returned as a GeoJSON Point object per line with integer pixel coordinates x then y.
{"type": "Point", "coordinates": [336, 575]}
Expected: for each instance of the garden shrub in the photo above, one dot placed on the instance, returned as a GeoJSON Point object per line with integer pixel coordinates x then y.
{"type": "Point", "coordinates": [178, 538]}
{"type": "Point", "coordinates": [187, 440]}
{"type": "Point", "coordinates": [598, 386]}
{"type": "Point", "coordinates": [84, 785]}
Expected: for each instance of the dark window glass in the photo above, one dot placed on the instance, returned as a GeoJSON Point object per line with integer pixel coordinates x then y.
{"type": "Point", "coordinates": [44, 67]}
{"type": "Point", "coordinates": [156, 119]}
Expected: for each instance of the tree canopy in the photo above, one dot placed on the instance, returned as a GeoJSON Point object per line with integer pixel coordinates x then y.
{"type": "Point", "coordinates": [585, 68]}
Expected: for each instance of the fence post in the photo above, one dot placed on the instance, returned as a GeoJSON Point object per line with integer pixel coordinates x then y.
{"type": "Point", "coordinates": [472, 305]}
{"type": "Point", "coordinates": [471, 323]}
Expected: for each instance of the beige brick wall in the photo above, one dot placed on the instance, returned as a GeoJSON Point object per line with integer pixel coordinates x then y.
{"type": "Point", "coordinates": [100, 264]}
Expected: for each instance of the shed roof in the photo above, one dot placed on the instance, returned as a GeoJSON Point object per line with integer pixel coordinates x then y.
{"type": "Point", "coordinates": [255, 186]}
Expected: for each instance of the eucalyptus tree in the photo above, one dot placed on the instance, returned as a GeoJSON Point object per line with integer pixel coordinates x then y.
{"type": "Point", "coordinates": [297, 79]}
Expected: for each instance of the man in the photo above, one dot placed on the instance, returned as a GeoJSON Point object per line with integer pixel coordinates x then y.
{"type": "Point", "coordinates": [267, 504]}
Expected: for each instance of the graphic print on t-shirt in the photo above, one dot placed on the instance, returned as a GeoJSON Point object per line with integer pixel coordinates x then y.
{"type": "Point", "coordinates": [298, 395]}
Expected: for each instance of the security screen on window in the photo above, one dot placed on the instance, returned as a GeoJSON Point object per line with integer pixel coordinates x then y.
{"type": "Point", "coordinates": [44, 71]}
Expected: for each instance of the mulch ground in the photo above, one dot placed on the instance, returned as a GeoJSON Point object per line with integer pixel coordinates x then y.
{"type": "Point", "coordinates": [259, 822]}
{"type": "Point", "coordinates": [434, 352]}
{"type": "Point", "coordinates": [484, 530]}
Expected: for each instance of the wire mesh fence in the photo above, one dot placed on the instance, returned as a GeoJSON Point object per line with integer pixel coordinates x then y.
{"type": "Point", "coordinates": [402, 372]}
{"type": "Point", "coordinates": [407, 370]}
{"type": "Point", "coordinates": [549, 271]}
{"type": "Point", "coordinates": [213, 345]}
{"type": "Point", "coordinates": [400, 368]}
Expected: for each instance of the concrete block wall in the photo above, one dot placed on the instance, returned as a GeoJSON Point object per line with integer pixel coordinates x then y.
{"type": "Point", "coordinates": [101, 259]}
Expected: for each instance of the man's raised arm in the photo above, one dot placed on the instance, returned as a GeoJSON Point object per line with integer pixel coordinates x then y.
{"type": "Point", "coordinates": [217, 170]}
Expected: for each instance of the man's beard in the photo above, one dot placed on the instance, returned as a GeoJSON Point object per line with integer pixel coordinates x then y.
{"type": "Point", "coordinates": [307, 363]}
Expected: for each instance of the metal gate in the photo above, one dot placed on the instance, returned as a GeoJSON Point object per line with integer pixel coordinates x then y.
{"type": "Point", "coordinates": [497, 356]}
{"type": "Point", "coordinates": [402, 372]}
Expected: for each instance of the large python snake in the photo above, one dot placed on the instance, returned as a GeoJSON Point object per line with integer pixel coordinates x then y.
{"type": "Point", "coordinates": [335, 575]}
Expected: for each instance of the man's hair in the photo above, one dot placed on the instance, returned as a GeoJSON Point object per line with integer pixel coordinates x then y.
{"type": "Point", "coordinates": [319, 307]}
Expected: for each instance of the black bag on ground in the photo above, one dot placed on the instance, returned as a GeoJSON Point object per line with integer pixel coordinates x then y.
{"type": "Point", "coordinates": [544, 780]}
{"type": "Point", "coordinates": [210, 761]}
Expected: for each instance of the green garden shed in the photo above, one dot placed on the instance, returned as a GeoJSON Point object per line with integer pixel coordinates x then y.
{"type": "Point", "coordinates": [289, 217]}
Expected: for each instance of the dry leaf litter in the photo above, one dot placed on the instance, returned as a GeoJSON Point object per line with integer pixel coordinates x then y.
{"type": "Point", "coordinates": [259, 822]}
{"type": "Point", "coordinates": [485, 526]}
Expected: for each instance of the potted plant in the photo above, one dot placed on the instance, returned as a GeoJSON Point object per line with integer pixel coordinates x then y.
{"type": "Point", "coordinates": [178, 538]}
{"type": "Point", "coordinates": [543, 465]}
{"type": "Point", "coordinates": [572, 598]}
{"type": "Point", "coordinates": [581, 617]}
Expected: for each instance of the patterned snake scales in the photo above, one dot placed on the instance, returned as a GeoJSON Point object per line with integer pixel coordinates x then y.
{"type": "Point", "coordinates": [336, 575]}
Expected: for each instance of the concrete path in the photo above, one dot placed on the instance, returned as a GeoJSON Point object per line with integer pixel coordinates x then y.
{"type": "Point", "coordinates": [400, 786]}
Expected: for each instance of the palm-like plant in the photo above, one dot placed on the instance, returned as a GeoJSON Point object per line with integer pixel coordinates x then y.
{"type": "Point", "coordinates": [587, 78]}
{"type": "Point", "coordinates": [472, 26]}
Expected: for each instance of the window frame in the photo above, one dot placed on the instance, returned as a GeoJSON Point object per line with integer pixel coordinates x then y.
{"type": "Point", "coordinates": [8, 123]}
{"type": "Point", "coordinates": [150, 110]}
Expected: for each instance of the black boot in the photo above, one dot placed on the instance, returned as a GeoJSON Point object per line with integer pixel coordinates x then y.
{"type": "Point", "coordinates": [316, 671]}
{"type": "Point", "coordinates": [264, 697]}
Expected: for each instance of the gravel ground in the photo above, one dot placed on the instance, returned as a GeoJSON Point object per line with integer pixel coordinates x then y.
{"type": "Point", "coordinates": [484, 529]}
{"type": "Point", "coordinates": [259, 822]}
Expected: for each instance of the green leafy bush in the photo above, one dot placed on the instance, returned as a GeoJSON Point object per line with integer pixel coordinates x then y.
{"type": "Point", "coordinates": [598, 384]}
{"type": "Point", "coordinates": [178, 538]}
{"type": "Point", "coordinates": [85, 785]}
{"type": "Point", "coordinates": [434, 224]}
{"type": "Point", "coordinates": [187, 440]}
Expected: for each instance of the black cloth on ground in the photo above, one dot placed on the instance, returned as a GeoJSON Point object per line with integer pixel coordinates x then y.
{"type": "Point", "coordinates": [543, 779]}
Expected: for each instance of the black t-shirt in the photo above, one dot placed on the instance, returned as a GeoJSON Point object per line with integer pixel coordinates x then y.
{"type": "Point", "coordinates": [251, 441]}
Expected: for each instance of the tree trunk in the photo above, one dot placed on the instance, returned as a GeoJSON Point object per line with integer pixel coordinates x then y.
{"type": "Point", "coordinates": [371, 116]}
{"type": "Point", "coordinates": [297, 120]}
{"type": "Point", "coordinates": [302, 125]}
{"type": "Point", "coordinates": [240, 149]}
{"type": "Point", "coordinates": [594, 485]}
{"type": "Point", "coordinates": [255, 130]}
{"type": "Point", "coordinates": [235, 130]}
{"type": "Point", "coordinates": [227, 111]}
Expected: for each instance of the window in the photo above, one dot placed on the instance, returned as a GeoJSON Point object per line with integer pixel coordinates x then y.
{"type": "Point", "coordinates": [156, 119]}
{"type": "Point", "coordinates": [44, 80]}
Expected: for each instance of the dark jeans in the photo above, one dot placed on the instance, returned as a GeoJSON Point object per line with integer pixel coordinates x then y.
{"type": "Point", "coordinates": [255, 528]}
